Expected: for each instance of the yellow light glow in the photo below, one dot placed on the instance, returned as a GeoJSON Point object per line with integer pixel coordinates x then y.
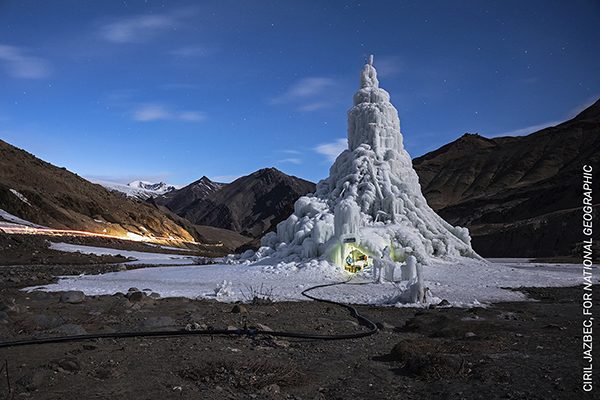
{"type": "Point", "coordinates": [135, 237]}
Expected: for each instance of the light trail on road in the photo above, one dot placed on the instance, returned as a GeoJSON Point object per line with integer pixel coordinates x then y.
{"type": "Point", "coordinates": [28, 230]}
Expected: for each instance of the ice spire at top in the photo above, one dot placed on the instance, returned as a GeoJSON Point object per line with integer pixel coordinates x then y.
{"type": "Point", "coordinates": [373, 120]}
{"type": "Point", "coordinates": [368, 76]}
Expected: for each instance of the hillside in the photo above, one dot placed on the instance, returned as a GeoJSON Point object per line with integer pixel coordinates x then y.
{"type": "Point", "coordinates": [178, 200]}
{"type": "Point", "coordinates": [519, 196]}
{"type": "Point", "coordinates": [42, 193]}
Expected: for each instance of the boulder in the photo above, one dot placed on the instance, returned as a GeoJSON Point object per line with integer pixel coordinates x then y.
{"type": "Point", "coordinates": [72, 297]}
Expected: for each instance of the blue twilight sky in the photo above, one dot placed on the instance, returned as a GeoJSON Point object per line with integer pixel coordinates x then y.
{"type": "Point", "coordinates": [174, 90]}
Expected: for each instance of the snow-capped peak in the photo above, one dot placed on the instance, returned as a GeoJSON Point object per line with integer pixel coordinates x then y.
{"type": "Point", "coordinates": [138, 189]}
{"type": "Point", "coordinates": [159, 188]}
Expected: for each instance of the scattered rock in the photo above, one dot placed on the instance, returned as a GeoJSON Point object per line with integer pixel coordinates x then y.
{"type": "Point", "coordinates": [155, 295]}
{"type": "Point", "coordinates": [470, 335]}
{"type": "Point", "coordinates": [384, 326]}
{"type": "Point", "coordinates": [444, 303]}
{"type": "Point", "coordinates": [281, 343]}
{"type": "Point", "coordinates": [239, 308]}
{"type": "Point", "coordinates": [3, 317]}
{"type": "Point", "coordinates": [69, 364]}
{"type": "Point", "coordinates": [508, 316]}
{"type": "Point", "coordinates": [104, 373]}
{"type": "Point", "coordinates": [43, 321]}
{"type": "Point", "coordinates": [194, 326]}
{"type": "Point", "coordinates": [133, 289]}
{"type": "Point", "coordinates": [271, 389]}
{"type": "Point", "coordinates": [10, 307]}
{"type": "Point", "coordinates": [136, 296]}
{"type": "Point", "coordinates": [419, 361]}
{"type": "Point", "coordinates": [72, 297]}
{"type": "Point", "coordinates": [264, 328]}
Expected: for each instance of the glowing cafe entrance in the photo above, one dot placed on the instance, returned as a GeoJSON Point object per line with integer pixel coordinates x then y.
{"type": "Point", "coordinates": [354, 259]}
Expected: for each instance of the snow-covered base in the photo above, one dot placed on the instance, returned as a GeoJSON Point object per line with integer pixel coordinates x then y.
{"type": "Point", "coordinates": [141, 257]}
{"type": "Point", "coordinates": [467, 283]}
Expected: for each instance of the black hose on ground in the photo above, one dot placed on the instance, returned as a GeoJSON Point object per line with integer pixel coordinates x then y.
{"type": "Point", "coordinates": [372, 329]}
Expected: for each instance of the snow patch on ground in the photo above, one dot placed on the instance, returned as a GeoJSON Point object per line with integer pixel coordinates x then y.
{"type": "Point", "coordinates": [463, 284]}
{"type": "Point", "coordinates": [20, 196]}
{"type": "Point", "coordinates": [140, 256]}
{"type": "Point", "coordinates": [14, 221]}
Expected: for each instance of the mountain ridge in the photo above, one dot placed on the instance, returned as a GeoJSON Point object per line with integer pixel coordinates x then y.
{"type": "Point", "coordinates": [251, 205]}
{"type": "Point", "coordinates": [506, 188]}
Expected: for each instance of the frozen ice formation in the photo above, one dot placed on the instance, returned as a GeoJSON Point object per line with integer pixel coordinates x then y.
{"type": "Point", "coordinates": [371, 204]}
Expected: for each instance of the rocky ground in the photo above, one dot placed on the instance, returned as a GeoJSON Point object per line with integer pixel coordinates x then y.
{"type": "Point", "coordinates": [527, 350]}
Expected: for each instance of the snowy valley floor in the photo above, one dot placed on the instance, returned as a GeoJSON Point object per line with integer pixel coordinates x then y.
{"type": "Point", "coordinates": [511, 350]}
{"type": "Point", "coordinates": [464, 283]}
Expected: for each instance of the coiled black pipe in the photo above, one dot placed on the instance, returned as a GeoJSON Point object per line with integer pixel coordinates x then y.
{"type": "Point", "coordinates": [372, 329]}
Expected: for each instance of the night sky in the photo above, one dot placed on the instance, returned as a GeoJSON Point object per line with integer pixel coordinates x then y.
{"type": "Point", "coordinates": [173, 90]}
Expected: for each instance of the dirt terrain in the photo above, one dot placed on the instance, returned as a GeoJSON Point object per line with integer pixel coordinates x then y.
{"type": "Point", "coordinates": [527, 350]}
{"type": "Point", "coordinates": [34, 250]}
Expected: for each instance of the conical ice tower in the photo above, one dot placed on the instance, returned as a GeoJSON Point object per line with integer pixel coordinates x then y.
{"type": "Point", "coordinates": [371, 205]}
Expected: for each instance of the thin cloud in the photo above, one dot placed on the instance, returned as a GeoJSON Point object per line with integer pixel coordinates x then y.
{"type": "Point", "coordinates": [192, 116]}
{"type": "Point", "coordinates": [529, 129]}
{"type": "Point", "coordinates": [388, 66]}
{"type": "Point", "coordinates": [140, 28]}
{"type": "Point", "coordinates": [190, 51]}
{"type": "Point", "coordinates": [159, 112]}
{"type": "Point", "coordinates": [333, 149]}
{"type": "Point", "coordinates": [290, 160]}
{"type": "Point", "coordinates": [19, 64]}
{"type": "Point", "coordinates": [151, 112]}
{"type": "Point", "coordinates": [582, 106]}
{"type": "Point", "coordinates": [319, 105]}
{"type": "Point", "coordinates": [225, 178]}
{"type": "Point", "coordinates": [304, 92]}
{"type": "Point", "coordinates": [534, 128]}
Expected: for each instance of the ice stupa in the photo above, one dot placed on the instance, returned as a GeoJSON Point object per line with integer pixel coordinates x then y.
{"type": "Point", "coordinates": [371, 205]}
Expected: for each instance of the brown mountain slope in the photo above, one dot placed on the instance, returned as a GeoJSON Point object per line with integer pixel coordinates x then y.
{"type": "Point", "coordinates": [227, 240]}
{"type": "Point", "coordinates": [519, 196]}
{"type": "Point", "coordinates": [179, 199]}
{"type": "Point", "coordinates": [251, 205]}
{"type": "Point", "coordinates": [60, 199]}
